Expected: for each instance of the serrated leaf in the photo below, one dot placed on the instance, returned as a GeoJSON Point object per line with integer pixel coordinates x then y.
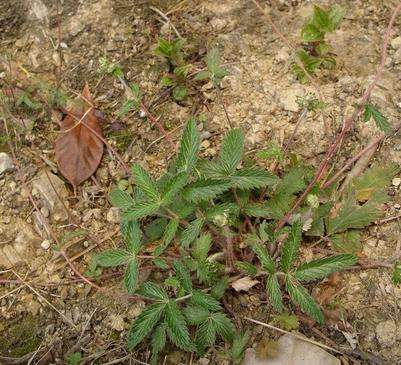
{"type": "Point", "coordinates": [274, 293]}
{"type": "Point", "coordinates": [246, 267]}
{"type": "Point", "coordinates": [132, 235]}
{"type": "Point", "coordinates": [219, 288]}
{"type": "Point", "coordinates": [293, 181]}
{"type": "Point", "coordinates": [220, 209]}
{"type": "Point", "coordinates": [173, 187]}
{"type": "Point", "coordinates": [202, 75]}
{"type": "Point", "coordinates": [160, 263]}
{"type": "Point", "coordinates": [183, 275]}
{"type": "Point", "coordinates": [111, 258]}
{"type": "Point", "coordinates": [144, 324]}
{"type": "Point", "coordinates": [152, 290]}
{"type": "Point", "coordinates": [291, 247]}
{"type": "Point", "coordinates": [131, 276]}
{"type": "Point", "coordinates": [355, 216]}
{"type": "Point", "coordinates": [348, 242]}
{"type": "Point", "coordinates": [238, 347]}
{"type": "Point", "coordinates": [252, 177]}
{"type": "Point", "coordinates": [261, 210]}
{"type": "Point", "coordinates": [232, 150]}
{"type": "Point", "coordinates": [145, 183]}
{"type": "Point", "coordinates": [301, 297]}
{"type": "Point", "coordinates": [141, 210]}
{"type": "Point", "coordinates": [158, 341]}
{"type": "Point", "coordinates": [381, 121]}
{"type": "Point", "coordinates": [264, 257]}
{"type": "Point", "coordinates": [121, 199]}
{"type": "Point", "coordinates": [396, 275]}
{"type": "Point", "coordinates": [202, 246]}
{"type": "Point", "coordinates": [205, 335]}
{"type": "Point", "coordinates": [287, 322]}
{"type": "Point", "coordinates": [204, 300]}
{"type": "Point", "coordinates": [279, 204]}
{"type": "Point", "coordinates": [168, 236]}
{"type": "Point", "coordinates": [321, 268]}
{"type": "Point", "coordinates": [311, 33]}
{"type": "Point", "coordinates": [223, 325]}
{"type": "Point", "coordinates": [189, 148]}
{"type": "Point", "coordinates": [155, 229]}
{"type": "Point", "coordinates": [205, 189]}
{"type": "Point", "coordinates": [177, 327]}
{"type": "Point", "coordinates": [196, 315]}
{"type": "Point", "coordinates": [336, 15]}
{"type": "Point", "coordinates": [191, 232]}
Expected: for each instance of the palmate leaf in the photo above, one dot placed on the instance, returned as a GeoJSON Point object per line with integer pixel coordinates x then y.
{"type": "Point", "coordinates": [153, 291]}
{"type": "Point", "coordinates": [291, 247]}
{"type": "Point", "coordinates": [301, 297]}
{"type": "Point", "coordinates": [158, 341]}
{"type": "Point", "coordinates": [191, 232]}
{"type": "Point", "coordinates": [232, 150]}
{"type": "Point", "coordinates": [252, 177]}
{"type": "Point", "coordinates": [195, 314]}
{"type": "Point", "coordinates": [183, 275]}
{"type": "Point", "coordinates": [355, 216]}
{"type": "Point", "coordinates": [264, 258]}
{"type": "Point", "coordinates": [141, 210]}
{"type": "Point", "coordinates": [145, 183]}
{"type": "Point", "coordinates": [203, 300]}
{"type": "Point", "coordinates": [121, 199]}
{"type": "Point", "coordinates": [131, 275]}
{"type": "Point", "coordinates": [319, 269]}
{"type": "Point", "coordinates": [111, 258]}
{"type": "Point", "coordinates": [205, 189]}
{"type": "Point", "coordinates": [144, 324]}
{"type": "Point", "coordinates": [189, 148]}
{"type": "Point", "coordinates": [274, 293]}
{"type": "Point", "coordinates": [132, 235]}
{"type": "Point", "coordinates": [177, 329]}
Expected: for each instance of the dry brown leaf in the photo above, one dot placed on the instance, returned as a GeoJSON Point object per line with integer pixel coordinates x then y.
{"type": "Point", "coordinates": [244, 284]}
{"type": "Point", "coordinates": [79, 150]}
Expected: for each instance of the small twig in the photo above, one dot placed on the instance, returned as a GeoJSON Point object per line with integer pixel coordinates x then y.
{"type": "Point", "coordinates": [167, 19]}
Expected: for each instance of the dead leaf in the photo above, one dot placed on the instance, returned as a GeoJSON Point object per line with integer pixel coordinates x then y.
{"type": "Point", "coordinates": [79, 150]}
{"type": "Point", "coordinates": [244, 284]}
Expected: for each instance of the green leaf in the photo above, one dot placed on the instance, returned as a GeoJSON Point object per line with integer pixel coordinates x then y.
{"type": "Point", "coordinates": [311, 33]}
{"type": "Point", "coordinates": [287, 322]}
{"type": "Point", "coordinates": [141, 210]}
{"type": "Point", "coordinates": [160, 263]}
{"type": "Point", "coordinates": [293, 181]}
{"type": "Point", "coordinates": [145, 182]}
{"type": "Point", "coordinates": [183, 275]}
{"type": "Point", "coordinates": [144, 324]}
{"type": "Point", "coordinates": [127, 106]}
{"type": "Point", "coordinates": [219, 288]}
{"type": "Point", "coordinates": [291, 247]}
{"type": "Point", "coordinates": [301, 297]}
{"type": "Point", "coordinates": [201, 299]}
{"type": "Point", "coordinates": [220, 209]}
{"type": "Point", "coordinates": [319, 269]}
{"type": "Point", "coordinates": [336, 15]}
{"type": "Point", "coordinates": [131, 276]}
{"type": "Point", "coordinates": [355, 216]}
{"type": "Point", "coordinates": [232, 150]}
{"type": "Point", "coordinates": [348, 242]}
{"type": "Point", "coordinates": [74, 358]}
{"type": "Point", "coordinates": [279, 204]}
{"type": "Point", "coordinates": [381, 121]}
{"type": "Point", "coordinates": [189, 148]}
{"type": "Point", "coordinates": [168, 236]}
{"type": "Point", "coordinates": [205, 189]}
{"type": "Point", "coordinates": [132, 235]}
{"type": "Point", "coordinates": [238, 347]}
{"type": "Point", "coordinates": [158, 341]}
{"type": "Point", "coordinates": [396, 275]}
{"type": "Point", "coordinates": [180, 93]}
{"type": "Point", "coordinates": [205, 335]}
{"type": "Point", "coordinates": [196, 315]}
{"type": "Point", "coordinates": [213, 65]}
{"type": "Point", "coordinates": [252, 177]}
{"type": "Point", "coordinates": [321, 19]}
{"type": "Point", "coordinates": [224, 327]}
{"type": "Point", "coordinates": [201, 247]}
{"type": "Point", "coordinates": [261, 210]}
{"type": "Point", "coordinates": [274, 292]}
{"type": "Point", "coordinates": [202, 75]}
{"type": "Point", "coordinates": [246, 267]}
{"type": "Point", "coordinates": [177, 327]}
{"type": "Point", "coordinates": [153, 291]}
{"type": "Point", "coordinates": [121, 199]}
{"type": "Point", "coordinates": [173, 187]}
{"type": "Point", "coordinates": [155, 229]}
{"type": "Point", "coordinates": [191, 232]}
{"type": "Point", "coordinates": [111, 258]}
{"type": "Point", "coordinates": [264, 257]}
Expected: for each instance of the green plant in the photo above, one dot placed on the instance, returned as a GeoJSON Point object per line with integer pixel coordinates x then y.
{"type": "Point", "coordinates": [316, 52]}
{"type": "Point", "coordinates": [199, 207]}
{"type": "Point", "coordinates": [74, 358]}
{"type": "Point", "coordinates": [381, 121]}
{"type": "Point", "coordinates": [214, 71]}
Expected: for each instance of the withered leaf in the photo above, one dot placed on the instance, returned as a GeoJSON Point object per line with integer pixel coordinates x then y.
{"type": "Point", "coordinates": [79, 149]}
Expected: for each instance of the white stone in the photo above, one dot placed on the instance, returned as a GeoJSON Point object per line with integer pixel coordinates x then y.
{"type": "Point", "coordinates": [396, 182]}
{"type": "Point", "coordinates": [386, 333]}
{"type": "Point", "coordinates": [293, 351]}
{"type": "Point", "coordinates": [6, 164]}
{"type": "Point", "coordinates": [45, 244]}
{"type": "Point", "coordinates": [288, 97]}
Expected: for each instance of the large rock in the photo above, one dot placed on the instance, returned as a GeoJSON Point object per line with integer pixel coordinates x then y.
{"type": "Point", "coordinates": [293, 351]}
{"type": "Point", "coordinates": [53, 193]}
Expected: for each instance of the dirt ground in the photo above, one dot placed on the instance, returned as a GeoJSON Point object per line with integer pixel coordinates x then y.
{"type": "Point", "coordinates": [48, 308]}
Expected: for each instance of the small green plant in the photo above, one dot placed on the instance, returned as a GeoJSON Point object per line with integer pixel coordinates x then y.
{"type": "Point", "coordinates": [381, 121]}
{"type": "Point", "coordinates": [214, 71]}
{"type": "Point", "coordinates": [316, 52]}
{"type": "Point", "coordinates": [198, 209]}
{"type": "Point", "coordinates": [74, 358]}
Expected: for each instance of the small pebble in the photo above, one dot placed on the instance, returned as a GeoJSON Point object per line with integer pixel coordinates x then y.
{"type": "Point", "coordinates": [45, 244]}
{"type": "Point", "coordinates": [396, 182]}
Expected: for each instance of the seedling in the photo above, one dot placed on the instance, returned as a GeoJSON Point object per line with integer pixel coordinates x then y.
{"type": "Point", "coordinates": [316, 53]}
{"type": "Point", "coordinates": [381, 121]}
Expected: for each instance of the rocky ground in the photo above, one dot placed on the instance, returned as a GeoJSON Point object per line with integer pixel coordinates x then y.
{"type": "Point", "coordinates": [43, 305]}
